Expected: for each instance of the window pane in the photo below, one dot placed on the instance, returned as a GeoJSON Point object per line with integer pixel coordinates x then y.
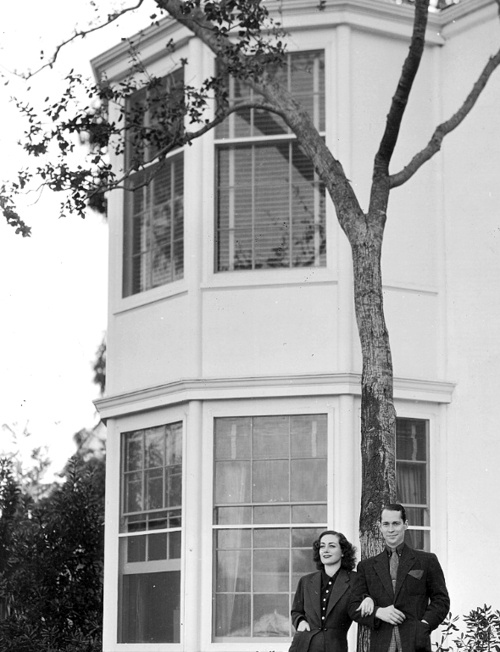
{"type": "Point", "coordinates": [271, 570]}
{"type": "Point", "coordinates": [233, 615]}
{"type": "Point", "coordinates": [411, 439]}
{"type": "Point", "coordinates": [274, 514]}
{"type": "Point", "coordinates": [412, 483]}
{"type": "Point", "coordinates": [271, 615]}
{"type": "Point", "coordinates": [134, 451]}
{"type": "Point", "coordinates": [308, 479]}
{"type": "Point", "coordinates": [302, 563]}
{"type": "Point", "coordinates": [271, 538]}
{"type": "Point", "coordinates": [133, 492]}
{"type": "Point", "coordinates": [232, 439]}
{"type": "Point", "coordinates": [232, 515]}
{"type": "Point", "coordinates": [157, 546]}
{"type": "Point", "coordinates": [154, 489]}
{"type": "Point", "coordinates": [233, 570]}
{"type": "Point", "coordinates": [304, 537]}
{"type": "Point", "coordinates": [150, 608]}
{"type": "Point", "coordinates": [271, 438]}
{"type": "Point", "coordinates": [418, 516]}
{"type": "Point", "coordinates": [309, 514]}
{"type": "Point", "coordinates": [308, 436]}
{"type": "Point", "coordinates": [232, 482]}
{"type": "Point", "coordinates": [136, 549]}
{"type": "Point", "coordinates": [229, 539]}
{"type": "Point", "coordinates": [419, 539]}
{"type": "Point", "coordinates": [275, 209]}
{"type": "Point", "coordinates": [155, 445]}
{"type": "Point", "coordinates": [270, 481]}
{"type": "Point", "coordinates": [174, 545]}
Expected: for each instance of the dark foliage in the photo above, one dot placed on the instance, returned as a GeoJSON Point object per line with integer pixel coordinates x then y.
{"type": "Point", "coordinates": [52, 558]}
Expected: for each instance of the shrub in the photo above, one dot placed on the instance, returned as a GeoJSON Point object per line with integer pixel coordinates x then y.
{"type": "Point", "coordinates": [481, 634]}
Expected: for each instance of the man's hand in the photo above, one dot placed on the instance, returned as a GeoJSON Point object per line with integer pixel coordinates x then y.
{"type": "Point", "coordinates": [303, 626]}
{"type": "Point", "coordinates": [366, 607]}
{"type": "Point", "coordinates": [390, 615]}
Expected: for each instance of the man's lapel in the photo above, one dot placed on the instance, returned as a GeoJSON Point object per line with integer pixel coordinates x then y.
{"type": "Point", "coordinates": [381, 566]}
{"type": "Point", "coordinates": [339, 588]}
{"type": "Point", "coordinates": [406, 561]}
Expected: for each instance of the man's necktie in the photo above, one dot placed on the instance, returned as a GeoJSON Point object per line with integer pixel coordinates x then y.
{"type": "Point", "coordinates": [393, 568]}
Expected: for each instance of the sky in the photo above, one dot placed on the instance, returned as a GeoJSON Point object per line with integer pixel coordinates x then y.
{"type": "Point", "coordinates": [53, 286]}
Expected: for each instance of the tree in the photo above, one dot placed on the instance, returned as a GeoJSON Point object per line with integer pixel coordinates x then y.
{"type": "Point", "coordinates": [249, 45]}
{"type": "Point", "coordinates": [51, 564]}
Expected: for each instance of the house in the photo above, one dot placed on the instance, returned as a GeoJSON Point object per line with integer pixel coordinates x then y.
{"type": "Point", "coordinates": [233, 369]}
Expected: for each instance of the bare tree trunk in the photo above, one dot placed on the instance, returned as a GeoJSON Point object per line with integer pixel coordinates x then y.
{"type": "Point", "coordinates": [378, 418]}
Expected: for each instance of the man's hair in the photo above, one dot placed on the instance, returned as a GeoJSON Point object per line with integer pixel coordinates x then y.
{"type": "Point", "coordinates": [348, 561]}
{"type": "Point", "coordinates": [394, 507]}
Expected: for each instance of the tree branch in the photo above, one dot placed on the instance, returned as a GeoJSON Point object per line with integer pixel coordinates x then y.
{"type": "Point", "coordinates": [380, 185]}
{"type": "Point", "coordinates": [82, 34]}
{"type": "Point", "coordinates": [281, 102]}
{"type": "Point", "coordinates": [434, 144]}
{"type": "Point", "coordinates": [408, 74]}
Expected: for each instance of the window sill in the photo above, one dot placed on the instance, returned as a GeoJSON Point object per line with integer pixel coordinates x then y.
{"type": "Point", "coordinates": [270, 277]}
{"type": "Point", "coordinates": [161, 293]}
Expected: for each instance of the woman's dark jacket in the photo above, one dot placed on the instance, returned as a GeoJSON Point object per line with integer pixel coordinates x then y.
{"type": "Point", "coordinates": [307, 604]}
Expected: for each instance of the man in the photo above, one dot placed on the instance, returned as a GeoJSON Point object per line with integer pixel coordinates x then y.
{"type": "Point", "coordinates": [407, 587]}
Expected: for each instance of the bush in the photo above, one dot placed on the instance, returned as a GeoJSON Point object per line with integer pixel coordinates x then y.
{"type": "Point", "coordinates": [51, 563]}
{"type": "Point", "coordinates": [482, 632]}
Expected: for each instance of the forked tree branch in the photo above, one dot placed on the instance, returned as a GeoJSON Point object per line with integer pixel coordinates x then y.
{"type": "Point", "coordinates": [405, 83]}
{"type": "Point", "coordinates": [434, 144]}
{"type": "Point", "coordinates": [380, 186]}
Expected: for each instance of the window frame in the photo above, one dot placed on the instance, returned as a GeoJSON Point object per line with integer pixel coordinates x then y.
{"type": "Point", "coordinates": [145, 218]}
{"type": "Point", "coordinates": [232, 144]}
{"type": "Point", "coordinates": [114, 492]}
{"type": "Point", "coordinates": [424, 529]}
{"type": "Point", "coordinates": [130, 217]}
{"type": "Point", "coordinates": [243, 408]}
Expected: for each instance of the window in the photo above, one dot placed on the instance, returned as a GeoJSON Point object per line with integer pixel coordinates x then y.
{"type": "Point", "coordinates": [154, 210]}
{"type": "Point", "coordinates": [270, 202]}
{"type": "Point", "coordinates": [269, 505]}
{"type": "Point", "coordinates": [412, 478]}
{"type": "Point", "coordinates": [150, 535]}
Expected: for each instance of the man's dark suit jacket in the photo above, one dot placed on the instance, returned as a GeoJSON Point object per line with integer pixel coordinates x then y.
{"type": "Point", "coordinates": [420, 594]}
{"type": "Point", "coordinates": [307, 604]}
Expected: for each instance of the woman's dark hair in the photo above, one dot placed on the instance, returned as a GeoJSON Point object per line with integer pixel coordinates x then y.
{"type": "Point", "coordinates": [348, 561]}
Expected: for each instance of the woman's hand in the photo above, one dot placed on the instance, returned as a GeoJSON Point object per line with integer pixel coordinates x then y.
{"type": "Point", "coordinates": [303, 626]}
{"type": "Point", "coordinates": [366, 607]}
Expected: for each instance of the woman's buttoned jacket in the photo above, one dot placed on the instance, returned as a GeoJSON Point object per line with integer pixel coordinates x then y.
{"type": "Point", "coordinates": [307, 604]}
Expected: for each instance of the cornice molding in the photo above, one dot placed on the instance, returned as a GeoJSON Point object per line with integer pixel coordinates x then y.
{"type": "Point", "coordinates": [376, 16]}
{"type": "Point", "coordinates": [217, 389]}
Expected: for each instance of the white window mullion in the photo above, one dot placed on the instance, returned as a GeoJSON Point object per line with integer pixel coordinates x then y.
{"type": "Point", "coordinates": [231, 208]}
{"type": "Point", "coordinates": [290, 204]}
{"type": "Point", "coordinates": [254, 256]}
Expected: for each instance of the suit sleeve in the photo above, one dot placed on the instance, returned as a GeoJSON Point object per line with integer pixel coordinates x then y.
{"type": "Point", "coordinates": [358, 594]}
{"type": "Point", "coordinates": [298, 610]}
{"type": "Point", "coordinates": [439, 601]}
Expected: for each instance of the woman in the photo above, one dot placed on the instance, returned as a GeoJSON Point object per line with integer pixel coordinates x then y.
{"type": "Point", "coordinates": [319, 610]}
